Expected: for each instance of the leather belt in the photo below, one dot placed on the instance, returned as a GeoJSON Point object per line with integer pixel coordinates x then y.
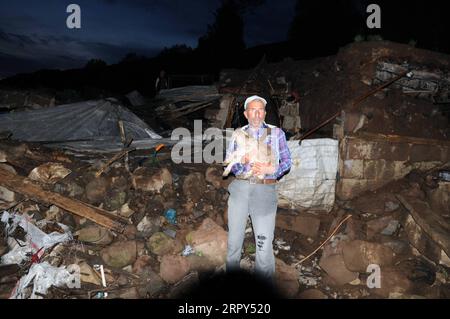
{"type": "Point", "coordinates": [259, 181]}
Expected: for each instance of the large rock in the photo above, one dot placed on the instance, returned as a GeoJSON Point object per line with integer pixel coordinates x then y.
{"type": "Point", "coordinates": [49, 173]}
{"type": "Point", "coordinates": [119, 254]}
{"type": "Point", "coordinates": [335, 267]}
{"type": "Point", "coordinates": [214, 176]}
{"type": "Point", "coordinates": [173, 268]}
{"type": "Point", "coordinates": [286, 278]}
{"type": "Point", "coordinates": [194, 185]}
{"type": "Point", "coordinates": [95, 234]}
{"type": "Point", "coordinates": [115, 200]}
{"type": "Point", "coordinates": [147, 180]}
{"type": "Point", "coordinates": [393, 281]}
{"type": "Point", "coordinates": [359, 254]}
{"type": "Point", "coordinates": [7, 195]}
{"type": "Point", "coordinates": [160, 244]}
{"type": "Point", "coordinates": [305, 225]}
{"type": "Point", "coordinates": [96, 190]}
{"type": "Point", "coordinates": [210, 240]}
{"type": "Point", "coordinates": [199, 263]}
{"type": "Point", "coordinates": [142, 265]}
{"type": "Point", "coordinates": [8, 168]}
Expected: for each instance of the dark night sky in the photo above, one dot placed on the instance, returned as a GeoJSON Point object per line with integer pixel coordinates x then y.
{"type": "Point", "coordinates": [33, 33]}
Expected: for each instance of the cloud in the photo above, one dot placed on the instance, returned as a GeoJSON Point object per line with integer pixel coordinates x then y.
{"type": "Point", "coordinates": [23, 53]}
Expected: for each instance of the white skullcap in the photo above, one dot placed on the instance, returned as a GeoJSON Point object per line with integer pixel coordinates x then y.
{"type": "Point", "coordinates": [252, 98]}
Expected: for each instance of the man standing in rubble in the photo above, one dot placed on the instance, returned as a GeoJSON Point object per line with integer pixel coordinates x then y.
{"type": "Point", "coordinates": [161, 82]}
{"type": "Point", "coordinates": [256, 195]}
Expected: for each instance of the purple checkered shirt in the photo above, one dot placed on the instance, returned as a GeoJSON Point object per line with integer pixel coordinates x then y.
{"type": "Point", "coordinates": [283, 151]}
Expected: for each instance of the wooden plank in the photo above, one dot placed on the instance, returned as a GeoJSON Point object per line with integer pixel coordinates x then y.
{"type": "Point", "coordinates": [113, 159]}
{"type": "Point", "coordinates": [397, 139]}
{"type": "Point", "coordinates": [32, 190]}
{"type": "Point", "coordinates": [434, 225]}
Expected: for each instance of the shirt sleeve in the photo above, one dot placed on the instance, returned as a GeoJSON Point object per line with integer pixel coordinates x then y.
{"type": "Point", "coordinates": [285, 155]}
{"type": "Point", "coordinates": [238, 168]}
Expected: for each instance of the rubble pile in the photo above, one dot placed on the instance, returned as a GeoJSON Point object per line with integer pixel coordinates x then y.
{"type": "Point", "coordinates": [167, 232]}
{"type": "Point", "coordinates": [115, 217]}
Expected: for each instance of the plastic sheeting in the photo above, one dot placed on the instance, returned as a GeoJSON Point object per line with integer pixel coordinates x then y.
{"type": "Point", "coordinates": [36, 241]}
{"type": "Point", "coordinates": [311, 182]}
{"type": "Point", "coordinates": [94, 122]}
{"type": "Point", "coordinates": [43, 276]}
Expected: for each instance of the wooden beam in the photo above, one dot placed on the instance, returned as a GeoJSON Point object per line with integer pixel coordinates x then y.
{"type": "Point", "coordinates": [32, 190]}
{"type": "Point", "coordinates": [436, 227]}
{"type": "Point", "coordinates": [113, 159]}
{"type": "Point", "coordinates": [376, 137]}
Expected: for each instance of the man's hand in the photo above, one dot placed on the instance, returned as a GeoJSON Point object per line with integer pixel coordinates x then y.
{"type": "Point", "coordinates": [263, 168]}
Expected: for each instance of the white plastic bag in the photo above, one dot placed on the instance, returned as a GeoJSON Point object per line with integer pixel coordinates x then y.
{"type": "Point", "coordinates": [43, 276]}
{"type": "Point", "coordinates": [36, 241]}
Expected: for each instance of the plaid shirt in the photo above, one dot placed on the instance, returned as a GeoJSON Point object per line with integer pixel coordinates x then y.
{"type": "Point", "coordinates": [284, 154]}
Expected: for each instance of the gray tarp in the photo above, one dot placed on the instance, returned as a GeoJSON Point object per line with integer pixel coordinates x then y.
{"type": "Point", "coordinates": [95, 123]}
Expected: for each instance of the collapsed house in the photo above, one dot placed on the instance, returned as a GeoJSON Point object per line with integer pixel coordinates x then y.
{"type": "Point", "coordinates": [371, 187]}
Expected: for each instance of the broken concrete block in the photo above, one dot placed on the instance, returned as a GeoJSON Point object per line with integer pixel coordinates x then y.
{"type": "Point", "coordinates": [7, 195]}
{"type": "Point", "coordinates": [194, 185]}
{"type": "Point", "coordinates": [96, 190]}
{"type": "Point", "coordinates": [119, 254]}
{"type": "Point", "coordinates": [95, 234]}
{"type": "Point", "coordinates": [173, 268]}
{"type": "Point", "coordinates": [305, 225]}
{"type": "Point", "coordinates": [359, 254]}
{"type": "Point", "coordinates": [210, 240]}
{"type": "Point", "coordinates": [286, 278]}
{"type": "Point", "coordinates": [147, 180]}
{"type": "Point", "coordinates": [49, 173]}
{"type": "Point", "coordinates": [161, 244]}
{"type": "Point", "coordinates": [214, 176]}
{"type": "Point", "coordinates": [335, 267]}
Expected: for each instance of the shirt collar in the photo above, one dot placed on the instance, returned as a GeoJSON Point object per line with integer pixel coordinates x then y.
{"type": "Point", "coordinates": [263, 125]}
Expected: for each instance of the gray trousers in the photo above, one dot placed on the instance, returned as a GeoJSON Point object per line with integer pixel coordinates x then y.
{"type": "Point", "coordinates": [260, 202]}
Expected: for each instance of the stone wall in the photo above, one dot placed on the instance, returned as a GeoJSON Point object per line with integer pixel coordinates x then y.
{"type": "Point", "coordinates": [368, 161]}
